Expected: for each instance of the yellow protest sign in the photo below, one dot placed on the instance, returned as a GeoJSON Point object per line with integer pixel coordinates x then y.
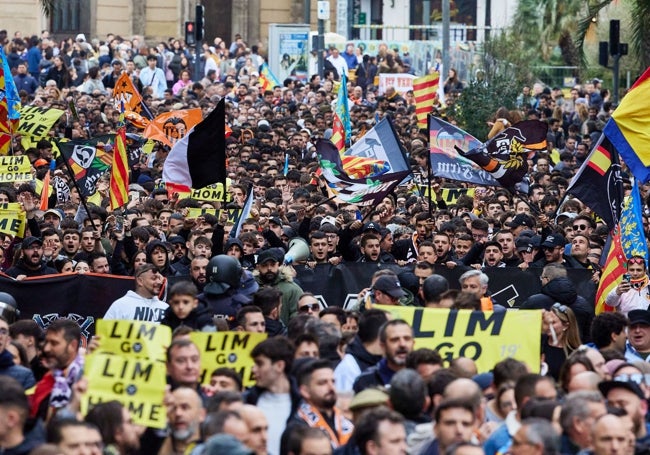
{"type": "Point", "coordinates": [138, 384]}
{"type": "Point", "coordinates": [37, 121]}
{"type": "Point", "coordinates": [486, 337]}
{"type": "Point", "coordinates": [449, 195]}
{"type": "Point", "coordinates": [227, 349]}
{"type": "Point", "coordinates": [15, 169]}
{"type": "Point", "coordinates": [211, 193]}
{"type": "Point", "coordinates": [31, 142]}
{"type": "Point", "coordinates": [233, 214]}
{"type": "Point", "coordinates": [12, 219]}
{"type": "Point", "coordinates": [134, 338]}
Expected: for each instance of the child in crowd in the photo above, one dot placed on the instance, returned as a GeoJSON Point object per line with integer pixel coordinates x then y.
{"type": "Point", "coordinates": [185, 309]}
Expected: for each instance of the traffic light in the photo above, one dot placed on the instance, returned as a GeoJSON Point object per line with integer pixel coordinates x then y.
{"type": "Point", "coordinates": [189, 33]}
{"type": "Point", "coordinates": [614, 37]}
{"type": "Point", "coordinates": [603, 53]}
{"type": "Point", "coordinates": [200, 23]}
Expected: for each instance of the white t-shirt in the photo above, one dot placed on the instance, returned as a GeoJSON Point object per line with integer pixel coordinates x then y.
{"type": "Point", "coordinates": [134, 307]}
{"type": "Point", "coordinates": [277, 409]}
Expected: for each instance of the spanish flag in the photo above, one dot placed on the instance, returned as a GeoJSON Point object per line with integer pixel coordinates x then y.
{"type": "Point", "coordinates": [424, 90]}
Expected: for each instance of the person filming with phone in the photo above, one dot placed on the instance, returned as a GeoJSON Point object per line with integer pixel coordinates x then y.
{"type": "Point", "coordinates": [632, 293]}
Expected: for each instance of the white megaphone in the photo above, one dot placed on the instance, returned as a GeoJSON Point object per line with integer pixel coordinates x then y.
{"type": "Point", "coordinates": [298, 250]}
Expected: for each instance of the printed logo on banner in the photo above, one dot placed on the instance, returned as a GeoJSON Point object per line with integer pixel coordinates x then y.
{"type": "Point", "coordinates": [83, 155]}
{"type": "Point", "coordinates": [85, 322]}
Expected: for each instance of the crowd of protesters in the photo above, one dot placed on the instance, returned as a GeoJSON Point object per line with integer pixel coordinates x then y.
{"type": "Point", "coordinates": [328, 380]}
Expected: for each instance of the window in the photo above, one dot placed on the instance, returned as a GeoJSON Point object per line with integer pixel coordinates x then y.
{"type": "Point", "coordinates": [66, 16]}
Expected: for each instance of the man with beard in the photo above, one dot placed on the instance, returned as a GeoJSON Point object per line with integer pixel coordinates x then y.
{"type": "Point", "coordinates": [198, 269]}
{"type": "Point", "coordinates": [396, 339]}
{"type": "Point", "coordinates": [553, 248]}
{"type": "Point", "coordinates": [31, 262]}
{"type": "Point", "coordinates": [442, 246]}
{"type": "Point", "coordinates": [61, 357]}
{"type": "Point", "coordinates": [317, 408]}
{"type": "Point", "coordinates": [370, 249]}
{"type": "Point", "coordinates": [143, 303]}
{"type": "Point", "coordinates": [185, 416]}
{"type": "Point", "coordinates": [119, 434]}
{"type": "Point", "coordinates": [492, 257]}
{"type": "Point", "coordinates": [269, 274]}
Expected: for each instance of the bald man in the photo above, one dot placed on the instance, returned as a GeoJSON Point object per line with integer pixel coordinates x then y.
{"type": "Point", "coordinates": [258, 428]}
{"type": "Point", "coordinates": [610, 436]}
{"type": "Point", "coordinates": [585, 380]}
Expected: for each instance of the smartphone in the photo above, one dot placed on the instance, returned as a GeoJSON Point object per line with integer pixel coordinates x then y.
{"type": "Point", "coordinates": [627, 277]}
{"type": "Point", "coordinates": [119, 223]}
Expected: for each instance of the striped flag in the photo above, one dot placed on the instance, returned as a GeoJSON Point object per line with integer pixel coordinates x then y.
{"type": "Point", "coordinates": [424, 90]}
{"type": "Point", "coordinates": [341, 129]}
{"type": "Point", "coordinates": [611, 273]}
{"type": "Point", "coordinates": [120, 169]}
{"type": "Point", "coordinates": [244, 214]}
{"type": "Point", "coordinates": [267, 78]}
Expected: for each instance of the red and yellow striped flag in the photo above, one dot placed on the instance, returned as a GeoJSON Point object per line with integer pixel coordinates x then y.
{"type": "Point", "coordinates": [265, 84]}
{"type": "Point", "coordinates": [5, 124]}
{"type": "Point", "coordinates": [611, 273]}
{"type": "Point", "coordinates": [120, 170]}
{"type": "Point", "coordinates": [424, 90]}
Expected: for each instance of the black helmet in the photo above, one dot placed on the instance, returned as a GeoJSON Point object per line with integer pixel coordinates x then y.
{"type": "Point", "coordinates": [433, 286]}
{"type": "Point", "coordinates": [224, 272]}
{"type": "Point", "coordinates": [8, 308]}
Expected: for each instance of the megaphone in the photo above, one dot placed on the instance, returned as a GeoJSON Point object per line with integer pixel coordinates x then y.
{"type": "Point", "coordinates": [298, 250]}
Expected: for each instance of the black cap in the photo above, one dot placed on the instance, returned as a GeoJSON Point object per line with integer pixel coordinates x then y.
{"type": "Point", "coordinates": [606, 386]}
{"type": "Point", "coordinates": [176, 239]}
{"type": "Point", "coordinates": [372, 226]}
{"type": "Point", "coordinates": [553, 240]}
{"type": "Point", "coordinates": [29, 241]}
{"type": "Point", "coordinates": [639, 317]}
{"type": "Point", "coordinates": [272, 254]}
{"type": "Point", "coordinates": [275, 220]}
{"type": "Point", "coordinates": [522, 220]}
{"type": "Point", "coordinates": [390, 285]}
{"type": "Point", "coordinates": [524, 244]}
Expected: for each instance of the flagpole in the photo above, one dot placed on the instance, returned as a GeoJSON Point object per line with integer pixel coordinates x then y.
{"type": "Point", "coordinates": [429, 172]}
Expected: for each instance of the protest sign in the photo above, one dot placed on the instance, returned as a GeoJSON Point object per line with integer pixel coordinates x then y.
{"type": "Point", "coordinates": [134, 338]}
{"type": "Point", "coordinates": [12, 219]}
{"type": "Point", "coordinates": [227, 349]}
{"type": "Point", "coordinates": [37, 121]}
{"type": "Point", "coordinates": [233, 214]}
{"type": "Point", "coordinates": [210, 193]}
{"type": "Point", "coordinates": [402, 83]}
{"type": "Point", "coordinates": [138, 384]}
{"type": "Point", "coordinates": [449, 195]}
{"type": "Point", "coordinates": [486, 337]}
{"type": "Point", "coordinates": [15, 169]}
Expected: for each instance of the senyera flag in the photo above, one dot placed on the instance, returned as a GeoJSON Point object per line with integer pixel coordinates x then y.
{"type": "Point", "coordinates": [424, 91]}
{"type": "Point", "coordinates": [199, 158]}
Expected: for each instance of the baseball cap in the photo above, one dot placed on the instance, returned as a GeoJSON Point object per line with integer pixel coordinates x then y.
{"type": "Point", "coordinates": [553, 240]}
{"type": "Point", "coordinates": [606, 386]}
{"type": "Point", "coordinates": [522, 220]}
{"type": "Point", "coordinates": [368, 398]}
{"type": "Point", "coordinates": [328, 219]}
{"type": "Point", "coordinates": [524, 244]}
{"type": "Point", "coordinates": [174, 239]}
{"type": "Point", "coordinates": [372, 226]}
{"type": "Point", "coordinates": [275, 220]}
{"type": "Point", "coordinates": [639, 317]}
{"type": "Point", "coordinates": [54, 212]}
{"type": "Point", "coordinates": [41, 162]}
{"type": "Point", "coordinates": [389, 285]}
{"type": "Point", "coordinates": [271, 254]}
{"type": "Point", "coordinates": [29, 241]}
{"type": "Point", "coordinates": [116, 61]}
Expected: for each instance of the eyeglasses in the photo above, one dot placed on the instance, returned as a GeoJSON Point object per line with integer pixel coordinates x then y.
{"type": "Point", "coordinates": [308, 307]}
{"type": "Point", "coordinates": [580, 227]}
{"type": "Point", "coordinates": [636, 261]}
{"type": "Point", "coordinates": [561, 308]}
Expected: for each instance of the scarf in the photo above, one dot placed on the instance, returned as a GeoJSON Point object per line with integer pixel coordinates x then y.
{"type": "Point", "coordinates": [639, 284]}
{"type": "Point", "coordinates": [62, 389]}
{"type": "Point", "coordinates": [315, 419]}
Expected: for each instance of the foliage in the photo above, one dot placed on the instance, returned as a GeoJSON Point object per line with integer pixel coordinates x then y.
{"type": "Point", "coordinates": [480, 100]}
{"type": "Point", "coordinates": [47, 6]}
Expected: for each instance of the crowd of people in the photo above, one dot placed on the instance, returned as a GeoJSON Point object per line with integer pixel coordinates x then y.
{"type": "Point", "coordinates": [327, 379]}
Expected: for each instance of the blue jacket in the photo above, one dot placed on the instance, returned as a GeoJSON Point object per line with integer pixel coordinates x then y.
{"type": "Point", "coordinates": [21, 374]}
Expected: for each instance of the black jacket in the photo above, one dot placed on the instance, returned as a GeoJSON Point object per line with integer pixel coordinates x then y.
{"type": "Point", "coordinates": [21, 269]}
{"type": "Point", "coordinates": [364, 359]}
{"type": "Point", "coordinates": [199, 318]}
{"type": "Point", "coordinates": [562, 290]}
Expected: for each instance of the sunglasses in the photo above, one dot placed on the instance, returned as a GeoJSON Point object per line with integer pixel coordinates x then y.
{"type": "Point", "coordinates": [309, 307]}
{"type": "Point", "coordinates": [636, 261]}
{"type": "Point", "coordinates": [580, 227]}
{"type": "Point", "coordinates": [638, 378]}
{"type": "Point", "coordinates": [561, 308]}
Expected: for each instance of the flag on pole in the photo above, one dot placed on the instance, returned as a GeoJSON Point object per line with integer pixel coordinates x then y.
{"type": "Point", "coordinates": [9, 105]}
{"type": "Point", "coordinates": [199, 158]}
{"type": "Point", "coordinates": [632, 235]}
{"type": "Point", "coordinates": [424, 91]}
{"type": "Point", "coordinates": [267, 78]}
{"type": "Point", "coordinates": [341, 129]}
{"type": "Point", "coordinates": [611, 272]}
{"type": "Point", "coordinates": [629, 128]}
{"type": "Point", "coordinates": [120, 169]}
{"type": "Point", "coordinates": [170, 127]}
{"type": "Point", "coordinates": [125, 92]}
{"type": "Point", "coordinates": [244, 214]}
{"type": "Point", "coordinates": [45, 190]}
{"type": "Point", "coordinates": [598, 183]}
{"type": "Point", "coordinates": [505, 155]}
{"type": "Point", "coordinates": [88, 159]}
